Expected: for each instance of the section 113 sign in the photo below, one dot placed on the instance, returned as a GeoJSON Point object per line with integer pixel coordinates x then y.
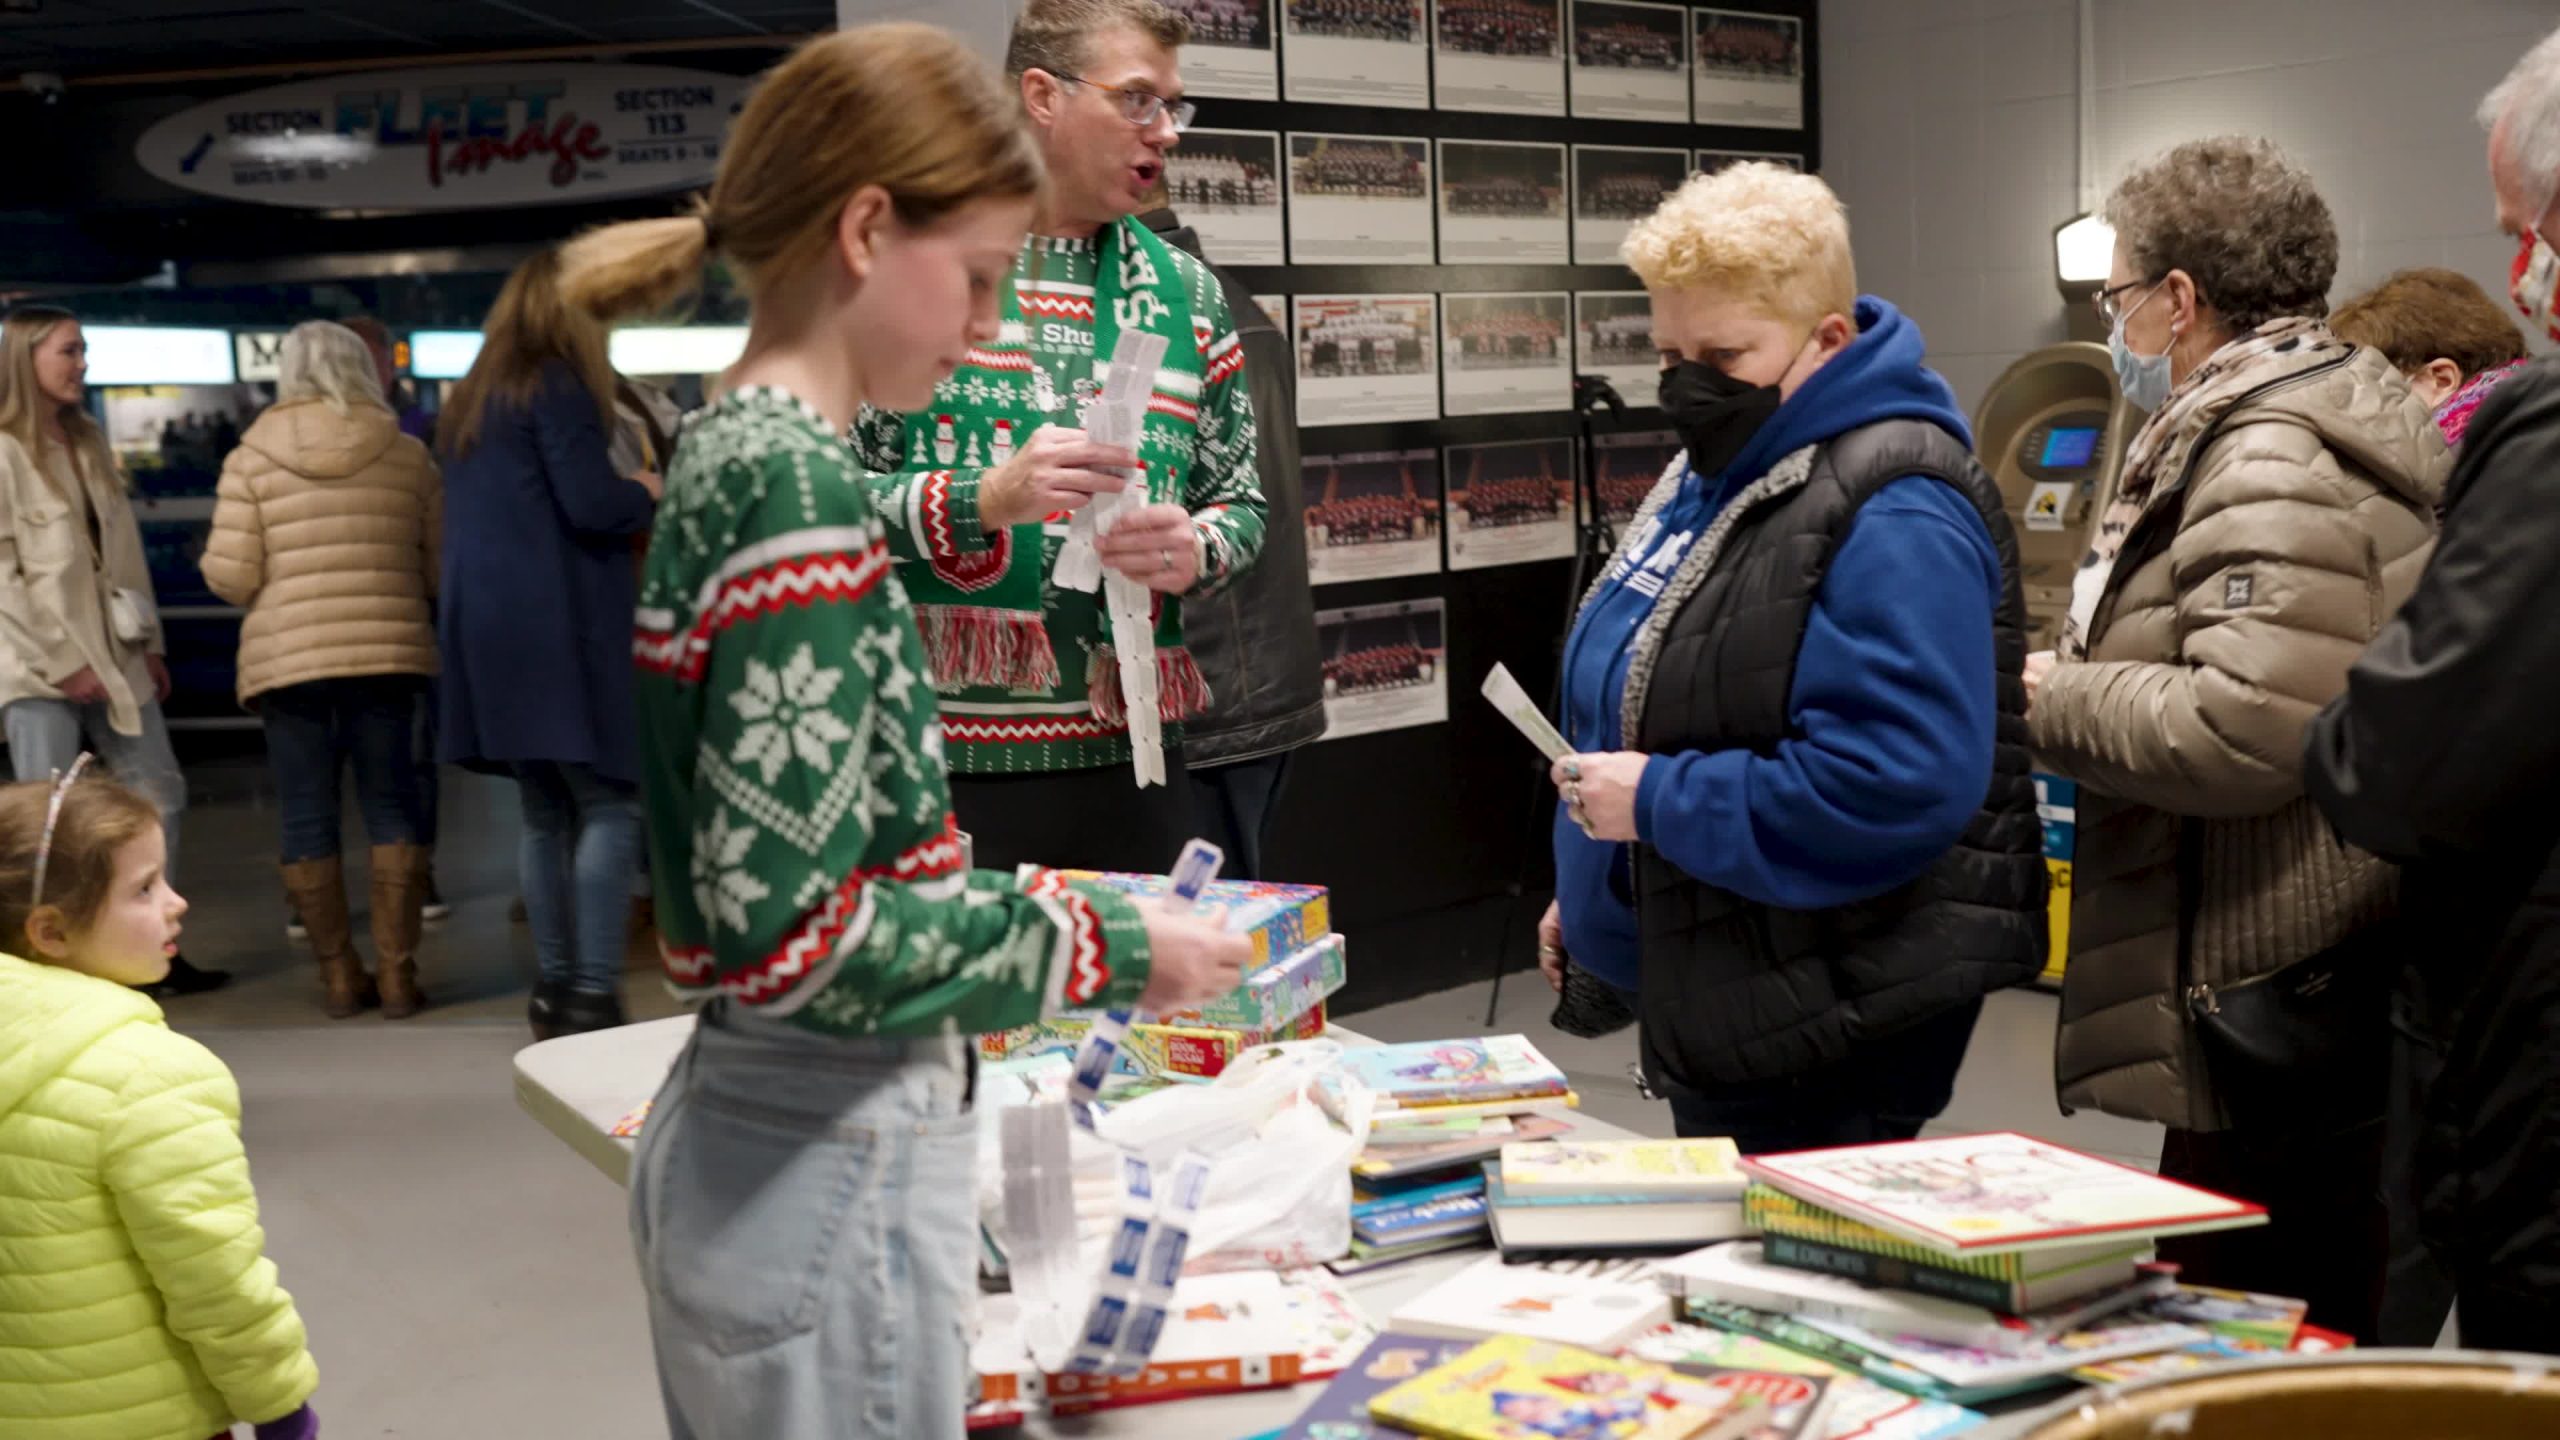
{"type": "Point", "coordinates": [452, 137]}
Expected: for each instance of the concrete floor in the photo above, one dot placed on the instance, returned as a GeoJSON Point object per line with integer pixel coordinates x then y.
{"type": "Point", "coordinates": [464, 1274]}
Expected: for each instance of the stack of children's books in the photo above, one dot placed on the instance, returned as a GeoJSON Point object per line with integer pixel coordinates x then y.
{"type": "Point", "coordinates": [1964, 1269]}
{"type": "Point", "coordinates": [1443, 1108]}
{"type": "Point", "coordinates": [1298, 963]}
{"type": "Point", "coordinates": [1582, 1197]}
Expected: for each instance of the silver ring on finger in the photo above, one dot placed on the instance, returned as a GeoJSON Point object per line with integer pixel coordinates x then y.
{"type": "Point", "coordinates": [1572, 770]}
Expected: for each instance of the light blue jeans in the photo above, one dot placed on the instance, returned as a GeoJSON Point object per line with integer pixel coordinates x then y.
{"type": "Point", "coordinates": [805, 1211]}
{"type": "Point", "coordinates": [581, 841]}
{"type": "Point", "coordinates": [45, 736]}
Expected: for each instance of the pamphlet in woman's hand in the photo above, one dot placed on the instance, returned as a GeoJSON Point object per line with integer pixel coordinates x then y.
{"type": "Point", "coordinates": [1523, 713]}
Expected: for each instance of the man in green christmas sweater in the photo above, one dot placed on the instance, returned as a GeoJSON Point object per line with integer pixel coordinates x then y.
{"type": "Point", "coordinates": [977, 488]}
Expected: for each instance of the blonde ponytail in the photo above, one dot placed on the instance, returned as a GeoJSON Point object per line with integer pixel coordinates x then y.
{"type": "Point", "coordinates": [638, 267]}
{"type": "Point", "coordinates": [899, 105]}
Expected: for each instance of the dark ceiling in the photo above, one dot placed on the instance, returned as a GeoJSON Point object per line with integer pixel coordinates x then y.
{"type": "Point", "coordinates": [79, 39]}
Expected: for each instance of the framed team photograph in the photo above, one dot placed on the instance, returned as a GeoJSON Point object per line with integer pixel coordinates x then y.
{"type": "Point", "coordinates": [1626, 466]}
{"type": "Point", "coordinates": [1505, 57]}
{"type": "Point", "coordinates": [1612, 190]}
{"type": "Point", "coordinates": [1358, 52]}
{"type": "Point", "coordinates": [1510, 503]}
{"type": "Point", "coordinates": [1371, 516]}
{"type": "Point", "coordinates": [1613, 339]}
{"type": "Point", "coordinates": [1748, 69]}
{"type": "Point", "coordinates": [1506, 354]}
{"type": "Point", "coordinates": [1359, 200]}
{"type": "Point", "coordinates": [1711, 161]}
{"type": "Point", "coordinates": [1630, 61]}
{"type": "Point", "coordinates": [1365, 358]}
{"type": "Point", "coordinates": [1232, 54]}
{"type": "Point", "coordinates": [1225, 184]}
{"type": "Point", "coordinates": [1386, 667]}
{"type": "Point", "coordinates": [1503, 203]}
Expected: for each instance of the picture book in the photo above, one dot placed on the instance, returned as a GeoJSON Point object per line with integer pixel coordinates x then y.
{"type": "Point", "coordinates": [1454, 1072]}
{"type": "Point", "coordinates": [2218, 1350]}
{"type": "Point", "coordinates": [1281, 920]}
{"type": "Point", "coordinates": [1491, 1298]}
{"type": "Point", "coordinates": [1391, 1153]}
{"type": "Point", "coordinates": [1853, 1408]}
{"type": "Point", "coordinates": [1275, 994]}
{"type": "Point", "coordinates": [1365, 1256]}
{"type": "Point", "coordinates": [1251, 1330]}
{"type": "Point", "coordinates": [1342, 1411]}
{"type": "Point", "coordinates": [1962, 1194]}
{"type": "Point", "coordinates": [1783, 1405]}
{"type": "Point", "coordinates": [1739, 1272]}
{"type": "Point", "coordinates": [1948, 1283]}
{"type": "Point", "coordinates": [1801, 1336]}
{"type": "Point", "coordinates": [1512, 1387]}
{"type": "Point", "coordinates": [2009, 1280]}
{"type": "Point", "coordinates": [1557, 1222]}
{"type": "Point", "coordinates": [1991, 1374]}
{"type": "Point", "coordinates": [2269, 1320]}
{"type": "Point", "coordinates": [1437, 1218]}
{"type": "Point", "coordinates": [1662, 1169]}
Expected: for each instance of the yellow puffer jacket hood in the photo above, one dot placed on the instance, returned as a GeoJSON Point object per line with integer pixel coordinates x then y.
{"type": "Point", "coordinates": [136, 1299]}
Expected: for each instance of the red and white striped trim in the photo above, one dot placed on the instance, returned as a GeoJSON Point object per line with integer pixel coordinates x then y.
{"type": "Point", "coordinates": [1088, 966]}
{"type": "Point", "coordinates": [1013, 360]}
{"type": "Point", "coordinates": [1182, 410]}
{"type": "Point", "coordinates": [1058, 307]}
{"type": "Point", "coordinates": [689, 966]}
{"type": "Point", "coordinates": [1028, 729]}
{"type": "Point", "coordinates": [798, 581]}
{"type": "Point", "coordinates": [1226, 367]}
{"type": "Point", "coordinates": [929, 507]}
{"type": "Point", "coordinates": [840, 921]}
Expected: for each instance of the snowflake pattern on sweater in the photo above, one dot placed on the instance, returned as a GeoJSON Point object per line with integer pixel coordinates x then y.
{"type": "Point", "coordinates": [799, 816]}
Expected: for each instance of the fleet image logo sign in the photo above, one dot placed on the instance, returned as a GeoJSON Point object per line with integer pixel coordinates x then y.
{"type": "Point", "coordinates": [453, 137]}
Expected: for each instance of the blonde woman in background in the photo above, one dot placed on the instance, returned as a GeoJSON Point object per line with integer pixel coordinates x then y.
{"type": "Point", "coordinates": [326, 530]}
{"type": "Point", "coordinates": [80, 643]}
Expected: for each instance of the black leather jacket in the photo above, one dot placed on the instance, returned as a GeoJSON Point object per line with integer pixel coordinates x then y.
{"type": "Point", "coordinates": [1256, 639]}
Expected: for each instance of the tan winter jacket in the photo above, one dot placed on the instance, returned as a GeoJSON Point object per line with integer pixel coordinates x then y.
{"type": "Point", "coordinates": [57, 574]}
{"type": "Point", "coordinates": [2233, 611]}
{"type": "Point", "coordinates": [327, 531]}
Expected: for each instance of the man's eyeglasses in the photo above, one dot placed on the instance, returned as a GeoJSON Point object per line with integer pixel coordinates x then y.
{"type": "Point", "coordinates": [1141, 107]}
{"type": "Point", "coordinates": [2110, 301]}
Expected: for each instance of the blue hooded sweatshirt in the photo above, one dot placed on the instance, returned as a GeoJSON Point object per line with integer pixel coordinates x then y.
{"type": "Point", "coordinates": [1894, 702]}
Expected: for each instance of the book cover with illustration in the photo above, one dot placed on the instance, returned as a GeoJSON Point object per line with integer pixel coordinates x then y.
{"type": "Point", "coordinates": [2268, 1320]}
{"type": "Point", "coordinates": [1342, 1411]}
{"type": "Point", "coordinates": [1966, 1193]}
{"type": "Point", "coordinates": [1252, 1330]}
{"type": "Point", "coordinates": [1281, 920]}
{"type": "Point", "coordinates": [1455, 1072]}
{"type": "Point", "coordinates": [1492, 1298]}
{"type": "Point", "coordinates": [1657, 1169]}
{"type": "Point", "coordinates": [1515, 1388]}
{"type": "Point", "coordinates": [1852, 1408]}
{"type": "Point", "coordinates": [1444, 1144]}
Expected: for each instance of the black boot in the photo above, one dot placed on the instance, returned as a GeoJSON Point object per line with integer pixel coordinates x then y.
{"type": "Point", "coordinates": [185, 979]}
{"type": "Point", "coordinates": [543, 1012]}
{"type": "Point", "coordinates": [585, 1010]}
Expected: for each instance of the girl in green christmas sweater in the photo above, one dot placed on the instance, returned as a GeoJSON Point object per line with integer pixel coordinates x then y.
{"type": "Point", "coordinates": [802, 1199]}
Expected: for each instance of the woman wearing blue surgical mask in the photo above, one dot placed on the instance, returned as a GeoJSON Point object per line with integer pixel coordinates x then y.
{"type": "Point", "coordinates": [2229, 959]}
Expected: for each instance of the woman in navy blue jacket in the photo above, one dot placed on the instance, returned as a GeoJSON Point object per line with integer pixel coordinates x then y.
{"type": "Point", "coordinates": [538, 595]}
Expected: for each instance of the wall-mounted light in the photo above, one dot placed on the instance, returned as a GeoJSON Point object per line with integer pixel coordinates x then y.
{"type": "Point", "coordinates": [443, 354]}
{"type": "Point", "coordinates": [2084, 251]}
{"type": "Point", "coordinates": [158, 355]}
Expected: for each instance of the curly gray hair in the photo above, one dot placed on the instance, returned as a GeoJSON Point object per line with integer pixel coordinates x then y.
{"type": "Point", "coordinates": [2529, 101]}
{"type": "Point", "coordinates": [2244, 221]}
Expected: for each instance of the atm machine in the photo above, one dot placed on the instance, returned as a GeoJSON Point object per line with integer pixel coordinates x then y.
{"type": "Point", "coordinates": [2052, 431]}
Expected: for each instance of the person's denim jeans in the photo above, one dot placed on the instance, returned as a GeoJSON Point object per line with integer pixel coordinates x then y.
{"type": "Point", "coordinates": [802, 1211]}
{"type": "Point", "coordinates": [315, 730]}
{"type": "Point", "coordinates": [581, 840]}
{"type": "Point", "coordinates": [45, 736]}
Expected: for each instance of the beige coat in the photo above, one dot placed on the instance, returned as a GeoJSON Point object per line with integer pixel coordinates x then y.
{"type": "Point", "coordinates": [55, 580]}
{"type": "Point", "coordinates": [2232, 614]}
{"type": "Point", "coordinates": [327, 531]}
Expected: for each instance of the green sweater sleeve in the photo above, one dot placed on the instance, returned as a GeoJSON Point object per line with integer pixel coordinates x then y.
{"type": "Point", "coordinates": [932, 514]}
{"type": "Point", "coordinates": [1224, 491]}
{"type": "Point", "coordinates": [798, 799]}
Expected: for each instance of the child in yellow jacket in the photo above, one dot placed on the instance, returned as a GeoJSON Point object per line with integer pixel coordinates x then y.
{"type": "Point", "coordinates": [136, 1299]}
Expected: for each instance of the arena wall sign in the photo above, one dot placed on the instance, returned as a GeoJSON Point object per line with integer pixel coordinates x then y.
{"type": "Point", "coordinates": [452, 137]}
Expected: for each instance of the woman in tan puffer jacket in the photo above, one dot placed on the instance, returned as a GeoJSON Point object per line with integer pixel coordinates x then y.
{"type": "Point", "coordinates": [326, 530]}
{"type": "Point", "coordinates": [2276, 508]}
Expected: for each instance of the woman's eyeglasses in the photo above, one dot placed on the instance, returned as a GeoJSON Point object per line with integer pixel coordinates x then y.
{"type": "Point", "coordinates": [1141, 107]}
{"type": "Point", "coordinates": [2110, 301]}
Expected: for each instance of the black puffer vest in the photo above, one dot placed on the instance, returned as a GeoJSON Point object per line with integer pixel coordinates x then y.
{"type": "Point", "coordinates": [1735, 991]}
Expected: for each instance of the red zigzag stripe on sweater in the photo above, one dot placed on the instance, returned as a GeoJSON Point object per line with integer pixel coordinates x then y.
{"type": "Point", "coordinates": [1086, 972]}
{"type": "Point", "coordinates": [776, 973]}
{"type": "Point", "coordinates": [990, 730]}
{"type": "Point", "coordinates": [1057, 307]}
{"type": "Point", "coordinates": [839, 577]}
{"type": "Point", "coordinates": [1016, 360]}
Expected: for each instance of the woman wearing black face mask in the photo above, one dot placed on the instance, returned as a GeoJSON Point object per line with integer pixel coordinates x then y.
{"type": "Point", "coordinates": [1799, 838]}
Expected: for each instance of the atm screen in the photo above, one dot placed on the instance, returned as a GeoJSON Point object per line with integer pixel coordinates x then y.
{"type": "Point", "coordinates": [2069, 447]}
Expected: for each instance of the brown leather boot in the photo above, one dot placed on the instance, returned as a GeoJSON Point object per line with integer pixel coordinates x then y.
{"type": "Point", "coordinates": [319, 892]}
{"type": "Point", "coordinates": [399, 896]}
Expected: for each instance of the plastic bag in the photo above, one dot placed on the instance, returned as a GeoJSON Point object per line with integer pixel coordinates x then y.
{"type": "Point", "coordinates": [1281, 1126]}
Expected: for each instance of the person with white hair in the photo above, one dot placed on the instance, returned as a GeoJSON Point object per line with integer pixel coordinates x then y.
{"type": "Point", "coordinates": [2441, 755]}
{"type": "Point", "coordinates": [326, 531]}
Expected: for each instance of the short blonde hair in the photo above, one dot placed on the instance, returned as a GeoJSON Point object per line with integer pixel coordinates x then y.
{"type": "Point", "coordinates": [1762, 232]}
{"type": "Point", "coordinates": [323, 360]}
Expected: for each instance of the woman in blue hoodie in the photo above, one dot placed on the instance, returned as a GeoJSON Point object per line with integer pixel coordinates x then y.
{"type": "Point", "coordinates": [1798, 836]}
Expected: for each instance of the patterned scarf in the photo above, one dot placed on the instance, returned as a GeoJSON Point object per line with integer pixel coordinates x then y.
{"type": "Point", "coordinates": [2454, 415]}
{"type": "Point", "coordinates": [2160, 448]}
